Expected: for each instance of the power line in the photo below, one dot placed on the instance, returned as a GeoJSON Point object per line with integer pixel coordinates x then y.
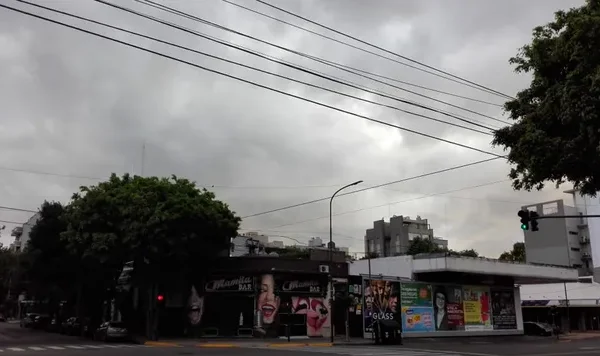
{"type": "Point", "coordinates": [284, 63]}
{"type": "Point", "coordinates": [361, 49]}
{"type": "Point", "coordinates": [254, 68]}
{"type": "Point", "coordinates": [372, 187]}
{"type": "Point", "coordinates": [390, 203]}
{"type": "Point", "coordinates": [48, 173]}
{"type": "Point", "coordinates": [17, 209]}
{"type": "Point", "coordinates": [12, 222]}
{"type": "Point", "coordinates": [416, 132]}
{"type": "Point", "coordinates": [338, 66]}
{"type": "Point", "coordinates": [462, 80]}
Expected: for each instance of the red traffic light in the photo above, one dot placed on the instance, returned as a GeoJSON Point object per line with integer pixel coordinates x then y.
{"type": "Point", "coordinates": [160, 297]}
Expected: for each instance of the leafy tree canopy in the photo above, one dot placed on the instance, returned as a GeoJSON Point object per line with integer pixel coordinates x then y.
{"type": "Point", "coordinates": [425, 245]}
{"type": "Point", "coordinates": [517, 254]}
{"type": "Point", "coordinates": [48, 264]}
{"type": "Point", "coordinates": [155, 220]}
{"type": "Point", "coordinates": [556, 136]}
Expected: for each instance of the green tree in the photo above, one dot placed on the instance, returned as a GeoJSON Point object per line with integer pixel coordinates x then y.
{"type": "Point", "coordinates": [46, 265]}
{"type": "Point", "coordinates": [466, 253]}
{"type": "Point", "coordinates": [557, 129]}
{"type": "Point", "coordinates": [163, 225]}
{"type": "Point", "coordinates": [422, 245]}
{"type": "Point", "coordinates": [517, 254]}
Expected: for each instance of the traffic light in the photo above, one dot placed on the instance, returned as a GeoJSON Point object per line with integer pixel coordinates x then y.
{"type": "Point", "coordinates": [160, 298]}
{"type": "Point", "coordinates": [524, 215]}
{"type": "Point", "coordinates": [534, 223]}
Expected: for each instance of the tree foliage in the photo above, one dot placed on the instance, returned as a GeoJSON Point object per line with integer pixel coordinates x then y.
{"type": "Point", "coordinates": [556, 136]}
{"type": "Point", "coordinates": [517, 254]}
{"type": "Point", "coordinates": [425, 245]}
{"type": "Point", "coordinates": [49, 266]}
{"type": "Point", "coordinates": [157, 220]}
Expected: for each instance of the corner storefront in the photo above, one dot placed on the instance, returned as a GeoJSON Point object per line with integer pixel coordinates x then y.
{"type": "Point", "coordinates": [481, 300]}
{"type": "Point", "coordinates": [262, 297]}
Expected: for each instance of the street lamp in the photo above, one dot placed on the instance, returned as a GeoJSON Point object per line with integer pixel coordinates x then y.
{"type": "Point", "coordinates": [331, 252]}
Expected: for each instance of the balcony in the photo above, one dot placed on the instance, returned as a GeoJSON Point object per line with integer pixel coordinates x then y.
{"type": "Point", "coordinates": [17, 232]}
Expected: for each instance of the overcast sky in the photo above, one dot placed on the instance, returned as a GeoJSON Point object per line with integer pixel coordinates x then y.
{"type": "Point", "coordinates": [73, 104]}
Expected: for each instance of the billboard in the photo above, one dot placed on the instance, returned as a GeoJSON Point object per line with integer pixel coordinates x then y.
{"type": "Point", "coordinates": [504, 315]}
{"type": "Point", "coordinates": [381, 302]}
{"type": "Point", "coordinates": [417, 307]}
{"type": "Point", "coordinates": [448, 311]}
{"type": "Point", "coordinates": [476, 305]}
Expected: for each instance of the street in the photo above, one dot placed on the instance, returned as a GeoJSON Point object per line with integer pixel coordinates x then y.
{"type": "Point", "coordinates": [14, 339]}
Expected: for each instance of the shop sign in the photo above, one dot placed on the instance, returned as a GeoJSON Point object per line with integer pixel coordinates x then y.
{"type": "Point", "coordinates": [310, 286]}
{"type": "Point", "coordinates": [237, 284]}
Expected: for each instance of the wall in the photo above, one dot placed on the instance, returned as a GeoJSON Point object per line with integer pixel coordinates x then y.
{"type": "Point", "coordinates": [440, 309]}
{"type": "Point", "coordinates": [549, 245]}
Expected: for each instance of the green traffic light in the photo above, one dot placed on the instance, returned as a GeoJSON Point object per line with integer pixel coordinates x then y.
{"type": "Point", "coordinates": [524, 226]}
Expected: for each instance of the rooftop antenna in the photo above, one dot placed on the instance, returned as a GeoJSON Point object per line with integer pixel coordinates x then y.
{"type": "Point", "coordinates": [143, 156]}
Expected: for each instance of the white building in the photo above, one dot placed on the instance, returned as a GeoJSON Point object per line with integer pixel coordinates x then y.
{"type": "Point", "coordinates": [21, 233]}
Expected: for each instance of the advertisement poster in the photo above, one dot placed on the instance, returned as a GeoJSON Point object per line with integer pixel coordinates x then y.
{"type": "Point", "coordinates": [476, 305]}
{"type": "Point", "coordinates": [504, 315]}
{"type": "Point", "coordinates": [448, 313]}
{"type": "Point", "coordinates": [417, 308]}
{"type": "Point", "coordinates": [292, 296]}
{"type": "Point", "coordinates": [381, 301]}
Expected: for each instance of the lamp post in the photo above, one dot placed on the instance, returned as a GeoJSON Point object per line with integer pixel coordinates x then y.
{"type": "Point", "coordinates": [331, 252]}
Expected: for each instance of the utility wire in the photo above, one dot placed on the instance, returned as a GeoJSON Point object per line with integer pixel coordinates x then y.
{"type": "Point", "coordinates": [390, 203]}
{"type": "Point", "coordinates": [338, 66]}
{"type": "Point", "coordinates": [373, 187]}
{"type": "Point", "coordinates": [462, 80]}
{"type": "Point", "coordinates": [17, 209]}
{"type": "Point", "coordinates": [287, 64]}
{"type": "Point", "coordinates": [249, 81]}
{"type": "Point", "coordinates": [254, 68]}
{"type": "Point", "coordinates": [12, 222]}
{"type": "Point", "coordinates": [361, 49]}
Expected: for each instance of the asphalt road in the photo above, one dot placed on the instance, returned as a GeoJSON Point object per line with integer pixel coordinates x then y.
{"type": "Point", "coordinates": [15, 340]}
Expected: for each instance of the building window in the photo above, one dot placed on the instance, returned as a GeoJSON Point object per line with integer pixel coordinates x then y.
{"type": "Point", "coordinates": [575, 249]}
{"type": "Point", "coordinates": [576, 265]}
{"type": "Point", "coordinates": [573, 233]}
{"type": "Point", "coordinates": [550, 208]}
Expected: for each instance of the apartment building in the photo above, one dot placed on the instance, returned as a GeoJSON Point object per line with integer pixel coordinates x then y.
{"type": "Point", "coordinates": [393, 238]}
{"type": "Point", "coordinates": [561, 242]}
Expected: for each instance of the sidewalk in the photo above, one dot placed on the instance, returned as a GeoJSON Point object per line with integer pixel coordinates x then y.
{"type": "Point", "coordinates": [253, 343]}
{"type": "Point", "coordinates": [581, 335]}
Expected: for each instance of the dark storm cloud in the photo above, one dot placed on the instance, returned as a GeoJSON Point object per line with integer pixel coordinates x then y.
{"type": "Point", "coordinates": [74, 104]}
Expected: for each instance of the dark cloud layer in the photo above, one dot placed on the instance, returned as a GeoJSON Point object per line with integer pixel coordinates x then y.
{"type": "Point", "coordinates": [78, 105]}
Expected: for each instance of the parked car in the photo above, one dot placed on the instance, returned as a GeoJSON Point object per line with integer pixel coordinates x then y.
{"type": "Point", "coordinates": [111, 330]}
{"type": "Point", "coordinates": [71, 326]}
{"type": "Point", "coordinates": [53, 326]}
{"type": "Point", "coordinates": [41, 322]}
{"type": "Point", "coordinates": [27, 320]}
{"type": "Point", "coordinates": [538, 329]}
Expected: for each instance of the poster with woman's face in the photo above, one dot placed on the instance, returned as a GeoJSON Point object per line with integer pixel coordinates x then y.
{"type": "Point", "coordinates": [195, 307]}
{"type": "Point", "coordinates": [448, 311]}
{"type": "Point", "coordinates": [267, 302]}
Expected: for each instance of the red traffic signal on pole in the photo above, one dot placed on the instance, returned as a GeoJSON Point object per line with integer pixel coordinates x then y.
{"type": "Point", "coordinates": [160, 297]}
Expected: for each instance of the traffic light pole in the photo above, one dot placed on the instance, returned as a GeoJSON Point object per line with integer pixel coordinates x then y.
{"type": "Point", "coordinates": [566, 216]}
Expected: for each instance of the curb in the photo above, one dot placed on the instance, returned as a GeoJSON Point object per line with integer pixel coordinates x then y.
{"type": "Point", "coordinates": [314, 344]}
{"type": "Point", "coordinates": [217, 346]}
{"type": "Point", "coordinates": [161, 344]}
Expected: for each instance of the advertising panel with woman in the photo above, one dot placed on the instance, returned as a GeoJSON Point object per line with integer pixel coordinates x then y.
{"type": "Point", "coordinates": [448, 311]}
{"type": "Point", "coordinates": [417, 307]}
{"type": "Point", "coordinates": [476, 304]}
{"type": "Point", "coordinates": [504, 315]}
{"type": "Point", "coordinates": [381, 302]}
